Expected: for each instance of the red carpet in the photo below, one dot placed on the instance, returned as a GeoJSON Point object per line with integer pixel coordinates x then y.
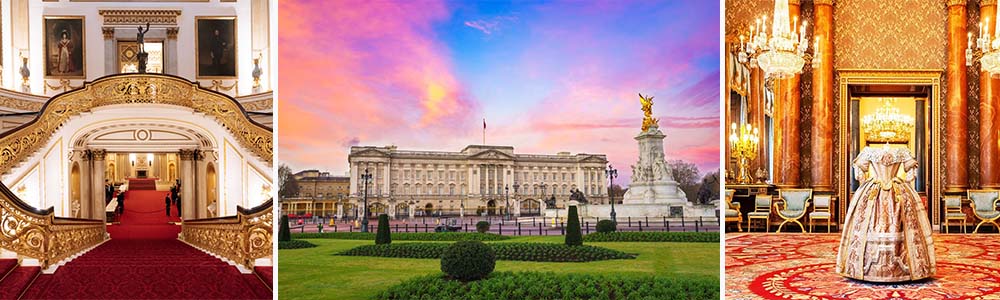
{"type": "Point", "coordinates": [136, 184]}
{"type": "Point", "coordinates": [15, 279]}
{"type": "Point", "coordinates": [144, 260]}
{"type": "Point", "coordinates": [800, 266]}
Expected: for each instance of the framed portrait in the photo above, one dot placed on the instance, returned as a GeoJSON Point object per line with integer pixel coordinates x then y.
{"type": "Point", "coordinates": [64, 47]}
{"type": "Point", "coordinates": [215, 46]}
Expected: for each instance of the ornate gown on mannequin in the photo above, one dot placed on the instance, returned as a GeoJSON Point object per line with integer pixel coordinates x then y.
{"type": "Point", "coordinates": [886, 237]}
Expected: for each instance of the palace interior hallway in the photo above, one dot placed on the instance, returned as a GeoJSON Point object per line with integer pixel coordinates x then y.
{"type": "Point", "coordinates": [142, 260]}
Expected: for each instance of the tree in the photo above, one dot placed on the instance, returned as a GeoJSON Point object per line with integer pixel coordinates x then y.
{"type": "Point", "coordinates": [284, 233]}
{"type": "Point", "coordinates": [287, 185]}
{"type": "Point", "coordinates": [709, 189]}
{"type": "Point", "coordinates": [686, 174]}
{"type": "Point", "coordinates": [573, 236]}
{"type": "Point", "coordinates": [617, 192]}
{"type": "Point", "coordinates": [382, 235]}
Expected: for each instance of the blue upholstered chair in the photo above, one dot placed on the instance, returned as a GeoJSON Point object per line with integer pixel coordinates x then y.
{"type": "Point", "coordinates": [821, 211]}
{"type": "Point", "coordinates": [793, 204]}
{"type": "Point", "coordinates": [761, 210]}
{"type": "Point", "coordinates": [733, 210]}
{"type": "Point", "coordinates": [953, 211]}
{"type": "Point", "coordinates": [984, 207]}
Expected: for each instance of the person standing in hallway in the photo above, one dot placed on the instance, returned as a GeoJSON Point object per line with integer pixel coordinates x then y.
{"type": "Point", "coordinates": [167, 201]}
{"type": "Point", "coordinates": [109, 191]}
{"type": "Point", "coordinates": [121, 203]}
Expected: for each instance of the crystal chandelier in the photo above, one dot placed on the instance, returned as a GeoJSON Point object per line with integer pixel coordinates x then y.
{"type": "Point", "coordinates": [987, 46]}
{"type": "Point", "coordinates": [743, 144]}
{"type": "Point", "coordinates": [783, 54]}
{"type": "Point", "coordinates": [887, 125]}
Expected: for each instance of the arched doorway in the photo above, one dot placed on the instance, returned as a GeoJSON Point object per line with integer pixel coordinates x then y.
{"type": "Point", "coordinates": [491, 207]}
{"type": "Point", "coordinates": [530, 207]}
{"type": "Point", "coordinates": [211, 186]}
{"type": "Point", "coordinates": [74, 191]}
{"type": "Point", "coordinates": [376, 209]}
{"type": "Point", "coordinates": [428, 209]}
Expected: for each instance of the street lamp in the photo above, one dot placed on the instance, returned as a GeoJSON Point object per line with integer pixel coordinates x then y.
{"type": "Point", "coordinates": [506, 195]}
{"type": "Point", "coordinates": [612, 173]}
{"type": "Point", "coordinates": [367, 177]}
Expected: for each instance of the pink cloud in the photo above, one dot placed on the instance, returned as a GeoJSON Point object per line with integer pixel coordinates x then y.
{"type": "Point", "coordinates": [354, 68]}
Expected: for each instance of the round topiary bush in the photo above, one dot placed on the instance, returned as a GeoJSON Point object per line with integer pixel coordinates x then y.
{"type": "Point", "coordinates": [382, 235]}
{"type": "Point", "coordinates": [284, 233]}
{"type": "Point", "coordinates": [606, 226]}
{"type": "Point", "coordinates": [573, 235]}
{"type": "Point", "coordinates": [468, 260]}
{"type": "Point", "coordinates": [483, 226]}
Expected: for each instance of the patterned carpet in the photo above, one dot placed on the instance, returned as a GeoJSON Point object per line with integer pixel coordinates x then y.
{"type": "Point", "coordinates": [801, 266]}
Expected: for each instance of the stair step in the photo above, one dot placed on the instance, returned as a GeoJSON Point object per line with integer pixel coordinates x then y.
{"type": "Point", "coordinates": [265, 274]}
{"type": "Point", "coordinates": [17, 281]}
{"type": "Point", "coordinates": [6, 265]}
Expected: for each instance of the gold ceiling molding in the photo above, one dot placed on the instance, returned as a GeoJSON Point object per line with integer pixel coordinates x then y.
{"type": "Point", "coordinates": [823, 2]}
{"type": "Point", "coordinates": [956, 2]}
{"type": "Point", "coordinates": [140, 16]}
{"type": "Point", "coordinates": [987, 3]}
{"type": "Point", "coordinates": [17, 145]}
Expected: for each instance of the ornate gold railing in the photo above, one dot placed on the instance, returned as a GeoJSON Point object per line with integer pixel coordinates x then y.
{"type": "Point", "coordinates": [38, 234]}
{"type": "Point", "coordinates": [241, 238]}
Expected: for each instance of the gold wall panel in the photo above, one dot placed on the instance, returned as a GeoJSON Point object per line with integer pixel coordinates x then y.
{"type": "Point", "coordinates": [878, 34]}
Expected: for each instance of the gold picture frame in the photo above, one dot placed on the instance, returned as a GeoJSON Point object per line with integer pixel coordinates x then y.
{"type": "Point", "coordinates": [65, 44]}
{"type": "Point", "coordinates": [218, 61]}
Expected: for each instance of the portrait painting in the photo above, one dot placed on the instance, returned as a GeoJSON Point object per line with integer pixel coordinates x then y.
{"type": "Point", "coordinates": [216, 47]}
{"type": "Point", "coordinates": [64, 47]}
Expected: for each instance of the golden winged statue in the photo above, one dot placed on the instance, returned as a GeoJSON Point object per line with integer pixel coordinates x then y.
{"type": "Point", "coordinates": [647, 110]}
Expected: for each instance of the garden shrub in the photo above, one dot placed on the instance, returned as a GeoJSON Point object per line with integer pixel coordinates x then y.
{"type": "Point", "coordinates": [405, 236]}
{"type": "Point", "coordinates": [295, 244]}
{"type": "Point", "coordinates": [630, 236]}
{"type": "Point", "coordinates": [573, 235]}
{"type": "Point", "coordinates": [544, 252]}
{"type": "Point", "coordinates": [546, 285]}
{"type": "Point", "coordinates": [382, 237]}
{"type": "Point", "coordinates": [482, 226]}
{"type": "Point", "coordinates": [284, 233]}
{"type": "Point", "coordinates": [606, 226]}
{"type": "Point", "coordinates": [468, 260]}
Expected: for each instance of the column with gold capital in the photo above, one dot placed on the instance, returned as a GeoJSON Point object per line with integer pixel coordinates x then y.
{"type": "Point", "coordinates": [786, 142]}
{"type": "Point", "coordinates": [956, 101]}
{"type": "Point", "coordinates": [989, 117]}
{"type": "Point", "coordinates": [822, 103]}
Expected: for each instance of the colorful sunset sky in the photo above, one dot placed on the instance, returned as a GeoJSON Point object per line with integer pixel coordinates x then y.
{"type": "Point", "coordinates": [547, 77]}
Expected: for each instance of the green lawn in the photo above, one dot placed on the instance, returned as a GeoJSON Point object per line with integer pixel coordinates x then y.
{"type": "Point", "coordinates": [315, 273]}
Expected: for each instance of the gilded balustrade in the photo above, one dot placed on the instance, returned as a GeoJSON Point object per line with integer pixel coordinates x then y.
{"type": "Point", "coordinates": [242, 238]}
{"type": "Point", "coordinates": [40, 235]}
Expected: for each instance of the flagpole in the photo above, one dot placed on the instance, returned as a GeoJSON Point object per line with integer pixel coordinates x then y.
{"type": "Point", "coordinates": [484, 131]}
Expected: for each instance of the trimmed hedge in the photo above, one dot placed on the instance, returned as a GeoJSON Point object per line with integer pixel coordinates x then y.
{"type": "Point", "coordinates": [382, 237]}
{"type": "Point", "coordinates": [482, 226]}
{"type": "Point", "coordinates": [468, 260]}
{"type": "Point", "coordinates": [606, 226]}
{"type": "Point", "coordinates": [295, 244]}
{"type": "Point", "coordinates": [284, 233]}
{"type": "Point", "coordinates": [573, 235]}
{"type": "Point", "coordinates": [543, 285]}
{"type": "Point", "coordinates": [631, 236]}
{"type": "Point", "coordinates": [406, 236]}
{"type": "Point", "coordinates": [545, 252]}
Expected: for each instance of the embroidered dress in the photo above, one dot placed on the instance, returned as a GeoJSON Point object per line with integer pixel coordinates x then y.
{"type": "Point", "coordinates": [886, 237]}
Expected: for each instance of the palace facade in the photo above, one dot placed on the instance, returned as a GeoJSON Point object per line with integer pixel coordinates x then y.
{"type": "Point", "coordinates": [479, 179]}
{"type": "Point", "coordinates": [319, 193]}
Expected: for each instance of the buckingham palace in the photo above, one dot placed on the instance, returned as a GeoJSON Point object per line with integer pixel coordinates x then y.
{"type": "Point", "coordinates": [478, 180]}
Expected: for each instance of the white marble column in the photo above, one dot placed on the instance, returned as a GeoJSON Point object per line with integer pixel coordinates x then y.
{"type": "Point", "coordinates": [86, 196]}
{"type": "Point", "coordinates": [97, 183]}
{"type": "Point", "coordinates": [170, 51]}
{"type": "Point", "coordinates": [110, 53]}
{"type": "Point", "coordinates": [187, 185]}
{"type": "Point", "coordinates": [201, 190]}
{"type": "Point", "coordinates": [354, 179]}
